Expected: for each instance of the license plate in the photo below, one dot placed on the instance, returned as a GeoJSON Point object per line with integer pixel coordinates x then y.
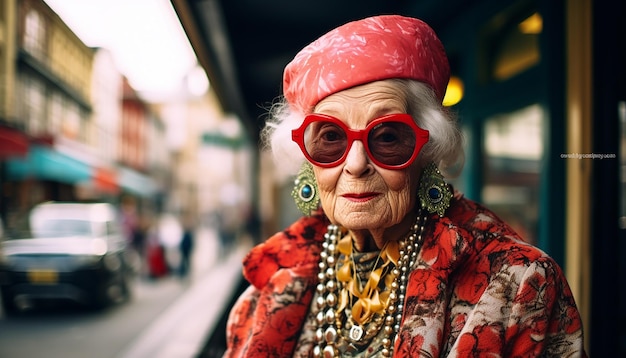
{"type": "Point", "coordinates": [43, 276]}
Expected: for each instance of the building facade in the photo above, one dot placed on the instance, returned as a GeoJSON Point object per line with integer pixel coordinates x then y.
{"type": "Point", "coordinates": [72, 128]}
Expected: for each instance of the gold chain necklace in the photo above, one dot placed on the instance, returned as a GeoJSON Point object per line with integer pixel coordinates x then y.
{"type": "Point", "coordinates": [366, 300]}
{"type": "Point", "coordinates": [328, 316]}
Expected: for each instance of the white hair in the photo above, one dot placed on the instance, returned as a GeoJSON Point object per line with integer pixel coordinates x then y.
{"type": "Point", "coordinates": [445, 143]}
{"type": "Point", "coordinates": [444, 147]}
{"type": "Point", "coordinates": [276, 137]}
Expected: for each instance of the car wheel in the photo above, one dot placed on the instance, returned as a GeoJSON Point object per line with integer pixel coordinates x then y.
{"type": "Point", "coordinates": [8, 304]}
{"type": "Point", "coordinates": [113, 294]}
{"type": "Point", "coordinates": [100, 301]}
{"type": "Point", "coordinates": [101, 297]}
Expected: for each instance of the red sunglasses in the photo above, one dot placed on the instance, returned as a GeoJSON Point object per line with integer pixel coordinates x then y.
{"type": "Point", "coordinates": [392, 141]}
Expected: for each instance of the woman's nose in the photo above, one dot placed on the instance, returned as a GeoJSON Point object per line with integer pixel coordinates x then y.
{"type": "Point", "coordinates": [357, 162]}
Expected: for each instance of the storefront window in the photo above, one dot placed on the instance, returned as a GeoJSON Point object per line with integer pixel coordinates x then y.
{"type": "Point", "coordinates": [519, 49]}
{"type": "Point", "coordinates": [622, 156]}
{"type": "Point", "coordinates": [71, 125]}
{"type": "Point", "coordinates": [513, 151]}
{"type": "Point", "coordinates": [510, 42]}
{"type": "Point", "coordinates": [34, 105]}
{"type": "Point", "coordinates": [34, 33]}
{"type": "Point", "coordinates": [56, 113]}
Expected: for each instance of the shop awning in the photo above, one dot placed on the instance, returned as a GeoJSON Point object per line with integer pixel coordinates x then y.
{"type": "Point", "coordinates": [105, 180]}
{"type": "Point", "coordinates": [136, 183]}
{"type": "Point", "coordinates": [46, 163]}
{"type": "Point", "coordinates": [13, 143]}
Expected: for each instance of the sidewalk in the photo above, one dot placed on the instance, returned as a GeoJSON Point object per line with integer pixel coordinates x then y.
{"type": "Point", "coordinates": [181, 331]}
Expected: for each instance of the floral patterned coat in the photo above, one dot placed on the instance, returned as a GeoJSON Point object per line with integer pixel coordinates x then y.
{"type": "Point", "coordinates": [477, 291]}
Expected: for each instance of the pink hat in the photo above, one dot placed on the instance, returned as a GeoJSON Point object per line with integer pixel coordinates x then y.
{"type": "Point", "coordinates": [363, 51]}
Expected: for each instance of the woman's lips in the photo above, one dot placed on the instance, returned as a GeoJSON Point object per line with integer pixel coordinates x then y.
{"type": "Point", "coordinates": [359, 196]}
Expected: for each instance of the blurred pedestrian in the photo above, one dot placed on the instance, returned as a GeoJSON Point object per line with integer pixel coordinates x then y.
{"type": "Point", "coordinates": [186, 249]}
{"type": "Point", "coordinates": [155, 253]}
{"type": "Point", "coordinates": [129, 218]}
{"type": "Point", "coordinates": [139, 233]}
{"type": "Point", "coordinates": [227, 227]}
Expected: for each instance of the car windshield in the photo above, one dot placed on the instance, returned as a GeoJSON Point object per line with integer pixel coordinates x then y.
{"type": "Point", "coordinates": [63, 228]}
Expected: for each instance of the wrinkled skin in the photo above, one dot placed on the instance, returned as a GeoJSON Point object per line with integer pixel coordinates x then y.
{"type": "Point", "coordinates": [374, 203]}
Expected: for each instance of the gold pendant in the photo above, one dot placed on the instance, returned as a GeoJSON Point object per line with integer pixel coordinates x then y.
{"type": "Point", "coordinates": [356, 333]}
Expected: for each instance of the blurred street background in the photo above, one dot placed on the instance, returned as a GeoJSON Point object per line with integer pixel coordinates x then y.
{"type": "Point", "coordinates": [170, 316]}
{"type": "Point", "coordinates": [153, 107]}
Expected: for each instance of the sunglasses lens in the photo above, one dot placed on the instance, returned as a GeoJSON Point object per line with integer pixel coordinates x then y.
{"type": "Point", "coordinates": [392, 143]}
{"type": "Point", "coordinates": [325, 142]}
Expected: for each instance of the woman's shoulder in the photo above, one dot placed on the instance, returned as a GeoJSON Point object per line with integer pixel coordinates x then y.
{"type": "Point", "coordinates": [474, 231]}
{"type": "Point", "coordinates": [479, 221]}
{"type": "Point", "coordinates": [297, 245]}
{"type": "Point", "coordinates": [476, 245]}
{"type": "Point", "coordinates": [305, 230]}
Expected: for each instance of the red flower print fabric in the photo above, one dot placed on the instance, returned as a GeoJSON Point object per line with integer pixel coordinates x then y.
{"type": "Point", "coordinates": [477, 290]}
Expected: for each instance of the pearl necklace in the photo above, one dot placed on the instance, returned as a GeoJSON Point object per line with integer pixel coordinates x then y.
{"type": "Point", "coordinates": [329, 321]}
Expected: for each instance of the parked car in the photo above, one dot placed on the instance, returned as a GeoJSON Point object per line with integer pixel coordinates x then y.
{"type": "Point", "coordinates": [76, 252]}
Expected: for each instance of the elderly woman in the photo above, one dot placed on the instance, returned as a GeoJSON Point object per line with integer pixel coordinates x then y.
{"type": "Point", "coordinates": [393, 262]}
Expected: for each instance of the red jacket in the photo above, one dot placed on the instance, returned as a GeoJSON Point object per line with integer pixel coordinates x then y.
{"type": "Point", "coordinates": [478, 290]}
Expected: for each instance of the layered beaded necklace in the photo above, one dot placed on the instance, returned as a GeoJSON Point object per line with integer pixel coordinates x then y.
{"type": "Point", "coordinates": [337, 289]}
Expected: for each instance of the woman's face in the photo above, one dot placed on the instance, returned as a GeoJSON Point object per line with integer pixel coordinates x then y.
{"type": "Point", "coordinates": [372, 202]}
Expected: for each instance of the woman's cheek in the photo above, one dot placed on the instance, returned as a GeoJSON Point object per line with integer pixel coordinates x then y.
{"type": "Point", "coordinates": [401, 194]}
{"type": "Point", "coordinates": [326, 185]}
{"type": "Point", "coordinates": [328, 202]}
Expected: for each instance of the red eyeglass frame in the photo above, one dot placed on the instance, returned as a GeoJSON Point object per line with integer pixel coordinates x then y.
{"type": "Point", "coordinates": [421, 137]}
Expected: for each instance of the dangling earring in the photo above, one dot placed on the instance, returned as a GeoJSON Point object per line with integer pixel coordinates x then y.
{"type": "Point", "coordinates": [305, 190]}
{"type": "Point", "coordinates": [434, 193]}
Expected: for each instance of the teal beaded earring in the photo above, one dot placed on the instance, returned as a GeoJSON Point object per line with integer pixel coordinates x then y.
{"type": "Point", "coordinates": [305, 190]}
{"type": "Point", "coordinates": [434, 193]}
